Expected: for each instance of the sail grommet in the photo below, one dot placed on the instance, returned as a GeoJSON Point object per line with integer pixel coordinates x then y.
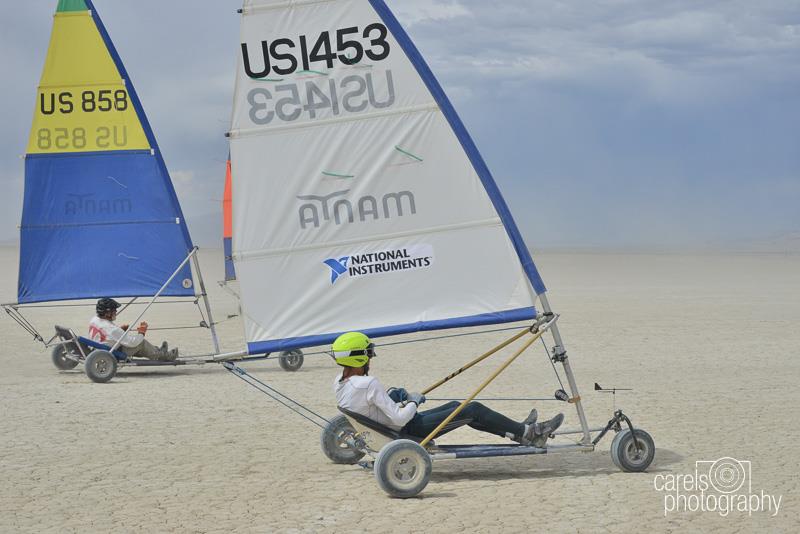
{"type": "Point", "coordinates": [187, 283]}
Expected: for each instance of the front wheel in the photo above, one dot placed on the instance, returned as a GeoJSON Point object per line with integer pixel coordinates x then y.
{"type": "Point", "coordinates": [403, 468]}
{"type": "Point", "coordinates": [291, 360]}
{"type": "Point", "coordinates": [101, 366]}
{"type": "Point", "coordinates": [625, 454]}
{"type": "Point", "coordinates": [333, 441]}
{"type": "Point", "coordinates": [61, 356]}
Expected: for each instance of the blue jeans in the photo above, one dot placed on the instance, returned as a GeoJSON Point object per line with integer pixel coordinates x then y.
{"type": "Point", "coordinates": [474, 414]}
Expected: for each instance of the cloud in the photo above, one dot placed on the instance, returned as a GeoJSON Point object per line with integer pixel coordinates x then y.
{"type": "Point", "coordinates": [415, 11]}
{"type": "Point", "coordinates": [677, 52]}
{"type": "Point", "coordinates": [614, 120]}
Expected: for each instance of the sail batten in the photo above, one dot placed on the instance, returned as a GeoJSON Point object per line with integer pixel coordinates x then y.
{"type": "Point", "coordinates": [244, 255]}
{"type": "Point", "coordinates": [360, 202]}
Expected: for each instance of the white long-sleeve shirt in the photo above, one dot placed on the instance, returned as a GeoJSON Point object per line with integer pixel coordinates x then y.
{"type": "Point", "coordinates": [104, 331]}
{"type": "Point", "coordinates": [367, 396]}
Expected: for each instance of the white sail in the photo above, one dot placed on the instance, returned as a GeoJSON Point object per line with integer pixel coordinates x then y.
{"type": "Point", "coordinates": [360, 201]}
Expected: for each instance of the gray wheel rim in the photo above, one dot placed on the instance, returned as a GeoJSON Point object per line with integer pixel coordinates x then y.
{"type": "Point", "coordinates": [405, 469]}
{"type": "Point", "coordinates": [340, 436]}
{"type": "Point", "coordinates": [102, 367]}
{"type": "Point", "coordinates": [633, 456]}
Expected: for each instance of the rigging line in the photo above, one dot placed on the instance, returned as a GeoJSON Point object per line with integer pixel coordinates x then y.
{"type": "Point", "coordinates": [448, 336]}
{"type": "Point", "coordinates": [327, 352]}
{"type": "Point", "coordinates": [268, 356]}
{"type": "Point", "coordinates": [248, 378]}
{"type": "Point", "coordinates": [494, 399]}
{"type": "Point", "coordinates": [202, 316]}
{"type": "Point", "coordinates": [125, 307]}
{"type": "Point", "coordinates": [245, 380]}
{"type": "Point", "coordinates": [175, 328]}
{"type": "Point", "coordinates": [226, 319]}
{"type": "Point", "coordinates": [547, 353]}
{"type": "Point", "coordinates": [309, 410]}
{"type": "Point", "coordinates": [23, 322]}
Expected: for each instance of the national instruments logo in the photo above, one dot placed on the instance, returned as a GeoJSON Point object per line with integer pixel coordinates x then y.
{"type": "Point", "coordinates": [380, 262]}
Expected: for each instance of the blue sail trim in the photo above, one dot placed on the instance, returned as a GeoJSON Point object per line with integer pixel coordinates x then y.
{"type": "Point", "coordinates": [97, 225]}
{"type": "Point", "coordinates": [509, 316]}
{"type": "Point", "coordinates": [466, 141]}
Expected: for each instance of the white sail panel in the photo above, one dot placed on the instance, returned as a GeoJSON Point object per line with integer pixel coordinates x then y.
{"type": "Point", "coordinates": [360, 202]}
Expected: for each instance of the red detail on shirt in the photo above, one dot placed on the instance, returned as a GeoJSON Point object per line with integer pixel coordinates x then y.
{"type": "Point", "coordinates": [97, 334]}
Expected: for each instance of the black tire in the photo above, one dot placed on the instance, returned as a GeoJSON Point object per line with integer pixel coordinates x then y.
{"type": "Point", "coordinates": [101, 366]}
{"type": "Point", "coordinates": [291, 360]}
{"type": "Point", "coordinates": [403, 468]}
{"type": "Point", "coordinates": [625, 455]}
{"type": "Point", "coordinates": [331, 441]}
{"type": "Point", "coordinates": [60, 359]}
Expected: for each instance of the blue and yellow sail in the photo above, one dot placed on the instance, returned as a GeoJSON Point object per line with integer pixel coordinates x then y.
{"type": "Point", "coordinates": [100, 215]}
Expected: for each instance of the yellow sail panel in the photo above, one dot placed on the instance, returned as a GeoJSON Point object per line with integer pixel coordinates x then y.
{"type": "Point", "coordinates": [82, 104]}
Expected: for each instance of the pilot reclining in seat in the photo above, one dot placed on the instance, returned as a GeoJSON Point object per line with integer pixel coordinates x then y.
{"type": "Point", "coordinates": [103, 330]}
{"type": "Point", "coordinates": [363, 394]}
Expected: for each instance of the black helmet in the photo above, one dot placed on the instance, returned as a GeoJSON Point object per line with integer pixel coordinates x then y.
{"type": "Point", "coordinates": [106, 305]}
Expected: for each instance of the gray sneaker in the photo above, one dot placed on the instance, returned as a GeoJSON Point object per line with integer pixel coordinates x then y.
{"type": "Point", "coordinates": [530, 428]}
{"type": "Point", "coordinates": [169, 355]}
{"type": "Point", "coordinates": [532, 417]}
{"type": "Point", "coordinates": [543, 430]}
{"type": "Point", "coordinates": [529, 424]}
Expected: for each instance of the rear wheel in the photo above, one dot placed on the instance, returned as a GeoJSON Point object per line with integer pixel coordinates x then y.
{"type": "Point", "coordinates": [403, 468]}
{"type": "Point", "coordinates": [627, 456]}
{"type": "Point", "coordinates": [60, 356]}
{"type": "Point", "coordinates": [291, 360]}
{"type": "Point", "coordinates": [101, 366]}
{"type": "Point", "coordinates": [333, 441]}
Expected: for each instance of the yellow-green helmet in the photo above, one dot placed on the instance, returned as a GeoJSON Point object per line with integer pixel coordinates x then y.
{"type": "Point", "coordinates": [353, 349]}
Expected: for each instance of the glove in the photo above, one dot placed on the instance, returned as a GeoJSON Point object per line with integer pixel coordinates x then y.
{"type": "Point", "coordinates": [397, 394]}
{"type": "Point", "coordinates": [416, 398]}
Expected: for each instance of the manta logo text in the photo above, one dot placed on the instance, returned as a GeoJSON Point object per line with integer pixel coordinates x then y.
{"type": "Point", "coordinates": [317, 209]}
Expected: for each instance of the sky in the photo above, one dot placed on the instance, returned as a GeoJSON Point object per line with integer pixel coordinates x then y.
{"type": "Point", "coordinates": [610, 123]}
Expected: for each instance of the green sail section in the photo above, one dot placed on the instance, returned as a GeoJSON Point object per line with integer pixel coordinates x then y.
{"type": "Point", "coordinates": [71, 5]}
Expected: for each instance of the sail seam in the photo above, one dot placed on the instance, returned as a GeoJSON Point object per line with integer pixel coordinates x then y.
{"type": "Point", "coordinates": [423, 108]}
{"type": "Point", "coordinates": [130, 152]}
{"type": "Point", "coordinates": [173, 220]}
{"type": "Point", "coordinates": [252, 254]}
{"type": "Point", "coordinates": [86, 13]}
{"type": "Point", "coordinates": [88, 84]}
{"type": "Point", "coordinates": [290, 4]}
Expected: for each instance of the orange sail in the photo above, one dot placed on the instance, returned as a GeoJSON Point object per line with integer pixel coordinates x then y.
{"type": "Point", "coordinates": [227, 224]}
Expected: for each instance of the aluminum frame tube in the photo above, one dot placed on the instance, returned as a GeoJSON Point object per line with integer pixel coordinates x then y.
{"type": "Point", "coordinates": [573, 386]}
{"type": "Point", "coordinates": [207, 304]}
